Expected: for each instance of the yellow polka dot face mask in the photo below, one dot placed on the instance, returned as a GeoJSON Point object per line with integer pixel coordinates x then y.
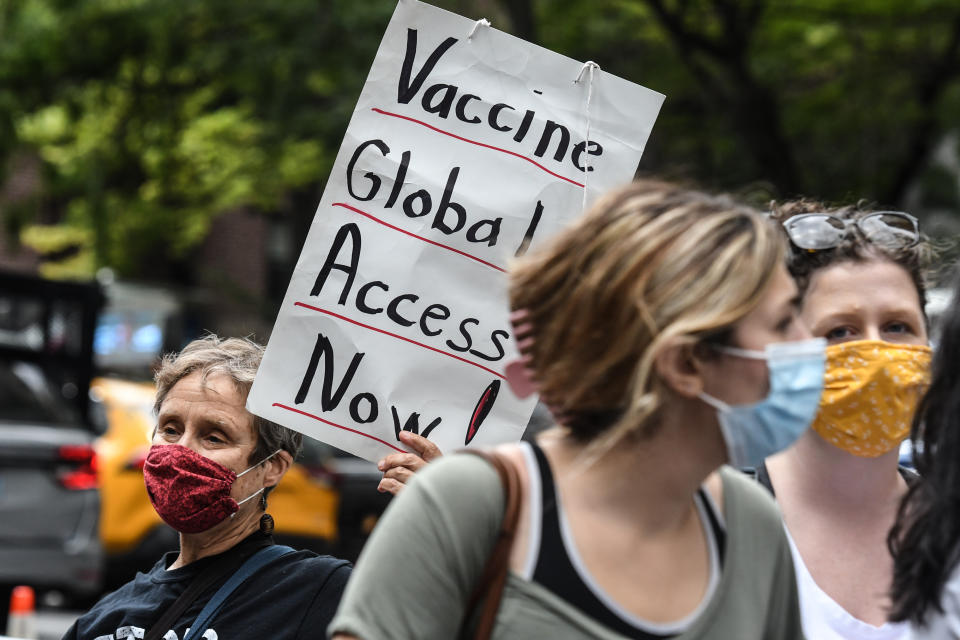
{"type": "Point", "coordinates": [871, 389]}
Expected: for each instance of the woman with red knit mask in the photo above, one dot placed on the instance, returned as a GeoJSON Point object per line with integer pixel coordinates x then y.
{"type": "Point", "coordinates": [208, 475]}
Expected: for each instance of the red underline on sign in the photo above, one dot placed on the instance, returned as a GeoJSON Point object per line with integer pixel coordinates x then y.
{"type": "Point", "coordinates": [479, 144]}
{"type": "Point", "coordinates": [398, 337]}
{"type": "Point", "coordinates": [413, 235]}
{"type": "Point", "coordinates": [338, 426]}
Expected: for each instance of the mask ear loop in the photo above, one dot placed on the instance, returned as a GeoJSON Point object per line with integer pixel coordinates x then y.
{"type": "Point", "coordinates": [266, 520]}
{"type": "Point", "coordinates": [520, 375]}
{"type": "Point", "coordinates": [716, 403]}
{"type": "Point", "coordinates": [251, 496]}
{"type": "Point", "coordinates": [259, 463]}
{"type": "Point", "coordinates": [261, 493]}
{"type": "Point", "coordinates": [751, 354]}
{"type": "Point", "coordinates": [776, 350]}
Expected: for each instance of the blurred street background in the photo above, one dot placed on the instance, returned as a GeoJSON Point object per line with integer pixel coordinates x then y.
{"type": "Point", "coordinates": [161, 161]}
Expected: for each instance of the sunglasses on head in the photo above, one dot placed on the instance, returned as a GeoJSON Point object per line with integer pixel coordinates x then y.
{"type": "Point", "coordinates": [819, 231]}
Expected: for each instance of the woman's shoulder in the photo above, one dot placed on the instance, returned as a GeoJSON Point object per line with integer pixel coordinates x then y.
{"type": "Point", "coordinates": [304, 562]}
{"type": "Point", "coordinates": [444, 522]}
{"type": "Point", "coordinates": [461, 471]}
{"type": "Point", "coordinates": [747, 501]}
{"type": "Point", "coordinates": [459, 483]}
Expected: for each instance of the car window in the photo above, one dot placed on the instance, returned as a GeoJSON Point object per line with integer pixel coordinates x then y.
{"type": "Point", "coordinates": [25, 395]}
{"type": "Point", "coordinates": [314, 452]}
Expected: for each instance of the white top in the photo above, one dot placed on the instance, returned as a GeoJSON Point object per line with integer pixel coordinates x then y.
{"type": "Point", "coordinates": [946, 625]}
{"type": "Point", "coordinates": [824, 619]}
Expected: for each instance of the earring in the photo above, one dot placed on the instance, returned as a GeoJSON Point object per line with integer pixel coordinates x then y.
{"type": "Point", "coordinates": [263, 501]}
{"type": "Point", "coordinates": [266, 524]}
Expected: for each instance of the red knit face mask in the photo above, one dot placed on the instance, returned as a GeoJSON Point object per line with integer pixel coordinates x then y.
{"type": "Point", "coordinates": [191, 493]}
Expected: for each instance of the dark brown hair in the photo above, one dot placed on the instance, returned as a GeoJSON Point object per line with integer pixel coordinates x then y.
{"type": "Point", "coordinates": [925, 541]}
{"type": "Point", "coordinates": [915, 259]}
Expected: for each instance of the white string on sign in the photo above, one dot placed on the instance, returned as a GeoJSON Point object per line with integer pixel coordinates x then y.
{"type": "Point", "coordinates": [588, 67]}
{"type": "Point", "coordinates": [482, 22]}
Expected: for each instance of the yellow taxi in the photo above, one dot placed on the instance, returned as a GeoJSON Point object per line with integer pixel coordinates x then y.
{"type": "Point", "coordinates": [304, 505]}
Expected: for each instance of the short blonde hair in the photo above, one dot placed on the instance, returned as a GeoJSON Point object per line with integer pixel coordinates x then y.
{"type": "Point", "coordinates": [239, 359]}
{"type": "Point", "coordinates": [647, 263]}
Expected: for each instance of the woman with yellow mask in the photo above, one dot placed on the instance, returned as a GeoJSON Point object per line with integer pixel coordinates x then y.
{"type": "Point", "coordinates": [860, 275]}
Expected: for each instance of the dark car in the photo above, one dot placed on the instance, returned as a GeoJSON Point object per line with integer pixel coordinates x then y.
{"type": "Point", "coordinates": [49, 504]}
{"type": "Point", "coordinates": [49, 501]}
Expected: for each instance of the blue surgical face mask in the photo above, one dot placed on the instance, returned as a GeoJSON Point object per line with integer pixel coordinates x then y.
{"type": "Point", "coordinates": [754, 431]}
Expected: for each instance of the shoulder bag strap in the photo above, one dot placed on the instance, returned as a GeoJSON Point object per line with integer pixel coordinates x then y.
{"type": "Point", "coordinates": [257, 561]}
{"type": "Point", "coordinates": [201, 582]}
{"type": "Point", "coordinates": [761, 475]}
{"type": "Point", "coordinates": [490, 587]}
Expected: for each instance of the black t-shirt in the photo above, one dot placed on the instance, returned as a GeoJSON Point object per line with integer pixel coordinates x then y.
{"type": "Point", "coordinates": [292, 597]}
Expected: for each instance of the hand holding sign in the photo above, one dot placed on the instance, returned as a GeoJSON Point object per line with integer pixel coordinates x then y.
{"type": "Point", "coordinates": [467, 146]}
{"type": "Point", "coordinates": [398, 468]}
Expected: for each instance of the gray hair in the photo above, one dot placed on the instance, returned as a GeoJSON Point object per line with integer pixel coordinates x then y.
{"type": "Point", "coordinates": [239, 359]}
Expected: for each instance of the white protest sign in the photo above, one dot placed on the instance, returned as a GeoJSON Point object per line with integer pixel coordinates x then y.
{"type": "Point", "coordinates": [467, 146]}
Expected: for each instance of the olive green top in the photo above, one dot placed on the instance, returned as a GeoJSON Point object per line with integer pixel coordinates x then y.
{"type": "Point", "coordinates": [426, 555]}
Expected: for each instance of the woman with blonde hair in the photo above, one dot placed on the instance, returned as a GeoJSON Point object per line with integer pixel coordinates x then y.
{"type": "Point", "coordinates": [662, 331]}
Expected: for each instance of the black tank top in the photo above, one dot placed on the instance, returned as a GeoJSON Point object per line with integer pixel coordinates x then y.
{"type": "Point", "coordinates": [555, 570]}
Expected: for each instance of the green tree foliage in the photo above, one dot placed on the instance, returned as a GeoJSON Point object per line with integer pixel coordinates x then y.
{"type": "Point", "coordinates": [836, 99]}
{"type": "Point", "coordinates": [151, 117]}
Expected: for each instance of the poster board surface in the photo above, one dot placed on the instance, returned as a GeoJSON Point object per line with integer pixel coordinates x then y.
{"type": "Point", "coordinates": [467, 147]}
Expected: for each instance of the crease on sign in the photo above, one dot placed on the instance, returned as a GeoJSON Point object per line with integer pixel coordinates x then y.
{"type": "Point", "coordinates": [422, 415]}
{"type": "Point", "coordinates": [522, 56]}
